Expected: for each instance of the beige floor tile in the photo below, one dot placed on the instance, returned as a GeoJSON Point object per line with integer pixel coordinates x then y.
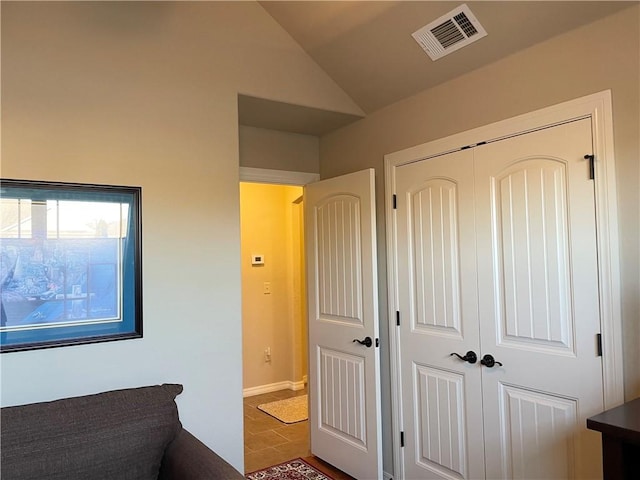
{"type": "Point", "coordinates": [263, 458]}
{"type": "Point", "coordinates": [252, 412]}
{"type": "Point", "coordinates": [265, 439]}
{"type": "Point", "coordinates": [298, 432]}
{"type": "Point", "coordinates": [254, 401]}
{"type": "Point", "coordinates": [269, 441]}
{"type": "Point", "coordinates": [262, 424]}
{"type": "Point", "coordinates": [282, 394]}
{"type": "Point", "coordinates": [294, 450]}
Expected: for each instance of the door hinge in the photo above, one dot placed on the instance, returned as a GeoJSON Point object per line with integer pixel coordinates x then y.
{"type": "Point", "coordinates": [599, 344]}
{"type": "Point", "coordinates": [398, 318]}
{"type": "Point", "coordinates": [401, 439]}
{"type": "Point", "coordinates": [592, 166]}
{"type": "Point", "coordinates": [395, 201]}
{"type": "Point", "coordinates": [473, 145]}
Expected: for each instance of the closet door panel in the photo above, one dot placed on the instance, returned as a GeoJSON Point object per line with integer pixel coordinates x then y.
{"type": "Point", "coordinates": [538, 303]}
{"type": "Point", "coordinates": [441, 394]}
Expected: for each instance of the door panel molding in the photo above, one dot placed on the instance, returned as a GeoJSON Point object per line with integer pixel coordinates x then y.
{"type": "Point", "coordinates": [543, 420]}
{"type": "Point", "coordinates": [346, 372]}
{"type": "Point", "coordinates": [539, 187]}
{"type": "Point", "coordinates": [597, 108]}
{"type": "Point", "coordinates": [339, 259]}
{"type": "Point", "coordinates": [434, 213]}
{"type": "Point", "coordinates": [440, 405]}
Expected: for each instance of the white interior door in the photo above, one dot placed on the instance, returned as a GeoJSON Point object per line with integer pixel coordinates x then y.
{"type": "Point", "coordinates": [437, 294]}
{"type": "Point", "coordinates": [344, 380]}
{"type": "Point", "coordinates": [497, 255]}
{"type": "Point", "coordinates": [539, 305]}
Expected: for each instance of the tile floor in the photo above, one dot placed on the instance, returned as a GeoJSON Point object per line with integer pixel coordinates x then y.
{"type": "Point", "coordinates": [268, 441]}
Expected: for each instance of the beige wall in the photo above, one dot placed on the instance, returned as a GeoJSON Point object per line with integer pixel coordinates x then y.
{"type": "Point", "coordinates": [145, 93]}
{"type": "Point", "coordinates": [270, 320]}
{"type": "Point", "coordinates": [272, 149]}
{"type": "Point", "coordinates": [600, 56]}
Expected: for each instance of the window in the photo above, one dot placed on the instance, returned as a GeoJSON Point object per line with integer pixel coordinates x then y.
{"type": "Point", "coordinates": [69, 264]}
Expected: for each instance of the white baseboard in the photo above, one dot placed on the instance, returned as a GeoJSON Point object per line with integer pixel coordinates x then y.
{"type": "Point", "coordinates": [387, 476]}
{"type": "Point", "coordinates": [297, 385]}
{"type": "Point", "coordinates": [273, 387]}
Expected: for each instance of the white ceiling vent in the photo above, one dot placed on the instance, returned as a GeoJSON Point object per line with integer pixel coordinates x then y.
{"type": "Point", "coordinates": [450, 32]}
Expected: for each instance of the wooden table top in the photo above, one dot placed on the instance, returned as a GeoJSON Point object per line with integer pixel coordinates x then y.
{"type": "Point", "coordinates": [622, 422]}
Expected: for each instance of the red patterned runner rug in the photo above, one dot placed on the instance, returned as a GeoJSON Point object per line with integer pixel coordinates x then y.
{"type": "Point", "coordinates": [296, 469]}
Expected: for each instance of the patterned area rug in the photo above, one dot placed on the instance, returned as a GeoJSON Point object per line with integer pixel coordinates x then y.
{"type": "Point", "coordinates": [290, 410]}
{"type": "Point", "coordinates": [296, 469]}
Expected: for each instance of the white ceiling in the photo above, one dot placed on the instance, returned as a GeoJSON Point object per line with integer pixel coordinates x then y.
{"type": "Point", "coordinates": [367, 48]}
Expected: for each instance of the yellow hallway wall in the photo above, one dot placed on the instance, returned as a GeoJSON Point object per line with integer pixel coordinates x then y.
{"type": "Point", "coordinates": [266, 221]}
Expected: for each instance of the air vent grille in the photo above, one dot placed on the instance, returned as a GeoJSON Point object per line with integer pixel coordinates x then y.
{"type": "Point", "coordinates": [447, 34]}
{"type": "Point", "coordinates": [450, 32]}
{"type": "Point", "coordinates": [463, 22]}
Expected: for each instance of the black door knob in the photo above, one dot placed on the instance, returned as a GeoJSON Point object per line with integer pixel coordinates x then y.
{"type": "Point", "coordinates": [488, 361]}
{"type": "Point", "coordinates": [470, 357]}
{"type": "Point", "coordinates": [367, 342]}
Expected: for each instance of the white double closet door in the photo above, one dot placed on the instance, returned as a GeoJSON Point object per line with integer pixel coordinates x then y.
{"type": "Point", "coordinates": [497, 255]}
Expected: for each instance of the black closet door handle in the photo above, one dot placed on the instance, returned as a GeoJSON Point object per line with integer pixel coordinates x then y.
{"type": "Point", "coordinates": [367, 342]}
{"type": "Point", "coordinates": [470, 357]}
{"type": "Point", "coordinates": [488, 361]}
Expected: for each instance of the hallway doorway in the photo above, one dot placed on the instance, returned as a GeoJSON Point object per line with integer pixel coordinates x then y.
{"type": "Point", "coordinates": [274, 318]}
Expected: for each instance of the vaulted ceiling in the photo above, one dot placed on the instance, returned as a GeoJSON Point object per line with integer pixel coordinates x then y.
{"type": "Point", "coordinates": [368, 50]}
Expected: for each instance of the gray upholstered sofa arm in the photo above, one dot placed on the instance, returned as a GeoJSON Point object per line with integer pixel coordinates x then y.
{"type": "Point", "coordinates": [187, 458]}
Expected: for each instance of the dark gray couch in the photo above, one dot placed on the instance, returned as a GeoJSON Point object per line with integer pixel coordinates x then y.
{"type": "Point", "coordinates": [132, 434]}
